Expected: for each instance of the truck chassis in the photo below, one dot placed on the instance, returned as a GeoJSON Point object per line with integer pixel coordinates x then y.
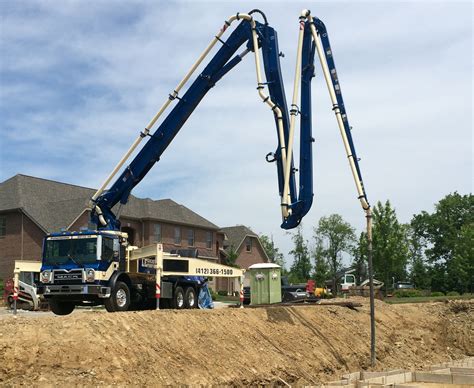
{"type": "Point", "coordinates": [147, 278]}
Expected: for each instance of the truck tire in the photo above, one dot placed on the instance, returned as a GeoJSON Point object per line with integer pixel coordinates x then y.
{"type": "Point", "coordinates": [119, 299]}
{"type": "Point", "coordinates": [179, 299]}
{"type": "Point", "coordinates": [10, 301]}
{"type": "Point", "coordinates": [190, 298]}
{"type": "Point", "coordinates": [165, 303]}
{"type": "Point", "coordinates": [59, 307]}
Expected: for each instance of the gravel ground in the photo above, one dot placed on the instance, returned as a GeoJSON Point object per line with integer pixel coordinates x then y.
{"type": "Point", "coordinates": [301, 345]}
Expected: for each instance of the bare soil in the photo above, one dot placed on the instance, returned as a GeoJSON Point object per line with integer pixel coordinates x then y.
{"type": "Point", "coordinates": [299, 345]}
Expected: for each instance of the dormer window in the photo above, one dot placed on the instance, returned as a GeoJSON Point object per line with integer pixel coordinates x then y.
{"type": "Point", "coordinates": [248, 244]}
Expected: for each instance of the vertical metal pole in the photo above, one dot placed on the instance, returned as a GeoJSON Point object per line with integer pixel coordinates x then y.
{"type": "Point", "coordinates": [158, 288]}
{"type": "Point", "coordinates": [241, 283]}
{"type": "Point", "coordinates": [16, 282]}
{"type": "Point", "coordinates": [159, 267]}
{"type": "Point", "coordinates": [371, 286]}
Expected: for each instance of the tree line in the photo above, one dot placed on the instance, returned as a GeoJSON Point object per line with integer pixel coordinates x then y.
{"type": "Point", "coordinates": [434, 251]}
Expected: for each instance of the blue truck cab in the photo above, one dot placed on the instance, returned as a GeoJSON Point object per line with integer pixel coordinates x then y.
{"type": "Point", "coordinates": [77, 268]}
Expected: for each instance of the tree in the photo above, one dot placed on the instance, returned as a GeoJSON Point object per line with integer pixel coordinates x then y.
{"type": "Point", "coordinates": [231, 257]}
{"type": "Point", "coordinates": [461, 268]}
{"type": "Point", "coordinates": [273, 253]}
{"type": "Point", "coordinates": [390, 245]}
{"type": "Point", "coordinates": [448, 234]}
{"type": "Point", "coordinates": [359, 262]}
{"type": "Point", "coordinates": [321, 267]}
{"type": "Point", "coordinates": [334, 236]}
{"type": "Point", "coordinates": [301, 267]}
{"type": "Point", "coordinates": [419, 270]}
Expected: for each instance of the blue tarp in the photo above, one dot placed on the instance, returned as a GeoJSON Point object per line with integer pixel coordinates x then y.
{"type": "Point", "coordinates": [205, 298]}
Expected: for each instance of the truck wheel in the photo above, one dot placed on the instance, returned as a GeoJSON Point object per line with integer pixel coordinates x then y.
{"type": "Point", "coordinates": [178, 298]}
{"type": "Point", "coordinates": [190, 298]}
{"type": "Point", "coordinates": [61, 307]}
{"type": "Point", "coordinates": [119, 299]}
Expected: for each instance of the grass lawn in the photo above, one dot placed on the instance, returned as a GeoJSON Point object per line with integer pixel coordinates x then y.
{"type": "Point", "coordinates": [424, 299]}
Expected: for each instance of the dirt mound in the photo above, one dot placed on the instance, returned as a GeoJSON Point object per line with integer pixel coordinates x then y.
{"type": "Point", "coordinates": [302, 344]}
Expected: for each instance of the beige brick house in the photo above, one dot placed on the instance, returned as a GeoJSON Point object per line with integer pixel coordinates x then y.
{"type": "Point", "coordinates": [31, 207]}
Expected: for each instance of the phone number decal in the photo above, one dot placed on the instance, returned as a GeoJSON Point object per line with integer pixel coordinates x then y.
{"type": "Point", "coordinates": [214, 271]}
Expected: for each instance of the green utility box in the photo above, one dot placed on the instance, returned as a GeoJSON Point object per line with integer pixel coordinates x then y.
{"type": "Point", "coordinates": [265, 283]}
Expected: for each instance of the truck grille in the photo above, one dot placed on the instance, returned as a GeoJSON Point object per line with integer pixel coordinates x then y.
{"type": "Point", "coordinates": [68, 277]}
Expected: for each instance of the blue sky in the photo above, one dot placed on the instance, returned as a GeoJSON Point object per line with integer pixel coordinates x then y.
{"type": "Point", "coordinates": [79, 80]}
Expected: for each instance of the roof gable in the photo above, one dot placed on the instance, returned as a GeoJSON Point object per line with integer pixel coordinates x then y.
{"type": "Point", "coordinates": [236, 235]}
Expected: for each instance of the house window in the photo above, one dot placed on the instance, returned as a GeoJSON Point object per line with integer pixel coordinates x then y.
{"type": "Point", "coordinates": [248, 244]}
{"type": "Point", "coordinates": [177, 235]}
{"type": "Point", "coordinates": [209, 239]}
{"type": "Point", "coordinates": [190, 237]}
{"type": "Point", "coordinates": [157, 233]}
{"type": "Point", "coordinates": [3, 227]}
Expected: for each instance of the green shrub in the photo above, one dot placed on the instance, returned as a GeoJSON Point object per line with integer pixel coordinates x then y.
{"type": "Point", "coordinates": [408, 293]}
{"type": "Point", "coordinates": [400, 294]}
{"type": "Point", "coordinates": [452, 293]}
{"type": "Point", "coordinates": [437, 293]}
{"type": "Point", "coordinates": [213, 294]}
{"type": "Point", "coordinates": [222, 293]}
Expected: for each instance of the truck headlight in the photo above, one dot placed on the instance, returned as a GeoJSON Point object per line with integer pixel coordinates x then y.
{"type": "Point", "coordinates": [46, 276]}
{"type": "Point", "coordinates": [90, 275]}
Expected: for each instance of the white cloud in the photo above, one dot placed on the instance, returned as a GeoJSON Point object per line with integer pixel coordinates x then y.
{"type": "Point", "coordinates": [80, 81]}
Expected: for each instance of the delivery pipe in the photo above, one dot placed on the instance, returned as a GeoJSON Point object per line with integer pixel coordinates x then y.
{"type": "Point", "coordinates": [337, 111]}
{"type": "Point", "coordinates": [294, 106]}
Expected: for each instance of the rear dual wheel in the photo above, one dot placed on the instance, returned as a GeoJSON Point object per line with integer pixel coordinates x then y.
{"type": "Point", "coordinates": [184, 299]}
{"type": "Point", "coordinates": [178, 298]}
{"type": "Point", "coordinates": [190, 298]}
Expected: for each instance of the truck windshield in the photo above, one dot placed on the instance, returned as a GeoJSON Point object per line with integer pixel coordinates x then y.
{"type": "Point", "coordinates": [83, 250]}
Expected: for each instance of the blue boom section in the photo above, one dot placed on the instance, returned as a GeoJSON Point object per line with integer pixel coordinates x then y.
{"type": "Point", "coordinates": [300, 204]}
{"type": "Point", "coordinates": [219, 65]}
{"type": "Point", "coordinates": [305, 192]}
{"type": "Point", "coordinates": [271, 62]}
{"type": "Point", "coordinates": [321, 28]}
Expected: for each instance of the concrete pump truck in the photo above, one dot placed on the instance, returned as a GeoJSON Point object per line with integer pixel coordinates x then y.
{"type": "Point", "coordinates": [98, 266]}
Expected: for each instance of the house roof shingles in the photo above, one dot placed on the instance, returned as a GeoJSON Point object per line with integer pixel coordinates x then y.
{"type": "Point", "coordinates": [235, 235]}
{"type": "Point", "coordinates": [55, 205]}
